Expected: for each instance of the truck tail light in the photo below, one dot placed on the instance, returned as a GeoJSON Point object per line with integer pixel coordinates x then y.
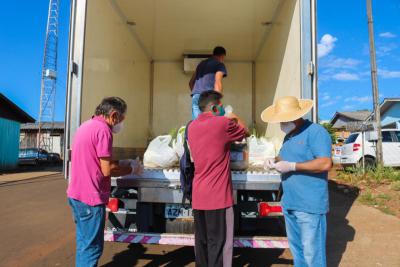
{"type": "Point", "coordinates": [356, 147]}
{"type": "Point", "coordinates": [267, 209]}
{"type": "Point", "coordinates": [113, 204]}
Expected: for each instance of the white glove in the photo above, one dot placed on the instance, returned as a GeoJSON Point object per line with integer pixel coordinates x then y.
{"type": "Point", "coordinates": [285, 166]}
{"type": "Point", "coordinates": [269, 164]}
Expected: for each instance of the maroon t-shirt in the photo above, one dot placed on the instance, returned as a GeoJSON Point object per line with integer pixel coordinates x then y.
{"type": "Point", "coordinates": [210, 138]}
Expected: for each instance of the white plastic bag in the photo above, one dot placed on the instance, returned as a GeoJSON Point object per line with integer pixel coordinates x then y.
{"type": "Point", "coordinates": [160, 154]}
{"type": "Point", "coordinates": [260, 149]}
{"type": "Point", "coordinates": [177, 144]}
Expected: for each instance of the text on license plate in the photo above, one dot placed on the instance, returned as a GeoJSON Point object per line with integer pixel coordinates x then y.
{"type": "Point", "coordinates": [173, 211]}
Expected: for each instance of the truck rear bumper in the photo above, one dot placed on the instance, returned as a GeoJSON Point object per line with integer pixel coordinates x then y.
{"type": "Point", "coordinates": [188, 239]}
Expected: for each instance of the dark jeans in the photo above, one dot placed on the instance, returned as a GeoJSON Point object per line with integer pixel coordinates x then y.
{"type": "Point", "coordinates": [214, 237]}
{"type": "Point", "coordinates": [89, 221]}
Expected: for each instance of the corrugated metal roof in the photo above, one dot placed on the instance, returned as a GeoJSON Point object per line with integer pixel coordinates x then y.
{"type": "Point", "coordinates": [360, 115]}
{"type": "Point", "coordinates": [11, 111]}
{"type": "Point", "coordinates": [59, 125]}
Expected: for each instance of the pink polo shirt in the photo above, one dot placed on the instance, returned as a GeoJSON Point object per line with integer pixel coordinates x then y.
{"type": "Point", "coordinates": [93, 140]}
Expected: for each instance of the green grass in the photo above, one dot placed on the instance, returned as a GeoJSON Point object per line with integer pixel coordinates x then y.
{"type": "Point", "coordinates": [387, 210]}
{"type": "Point", "coordinates": [368, 198]}
{"type": "Point", "coordinates": [371, 179]}
{"type": "Point", "coordinates": [377, 175]}
{"type": "Point", "coordinates": [395, 186]}
{"type": "Point", "coordinates": [378, 201]}
{"type": "Point", "coordinates": [384, 196]}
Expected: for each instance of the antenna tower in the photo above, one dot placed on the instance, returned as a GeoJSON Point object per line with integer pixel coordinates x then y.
{"type": "Point", "coordinates": [49, 79]}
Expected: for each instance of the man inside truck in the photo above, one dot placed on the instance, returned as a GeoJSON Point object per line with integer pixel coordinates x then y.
{"type": "Point", "coordinates": [91, 170]}
{"type": "Point", "coordinates": [304, 161]}
{"type": "Point", "coordinates": [208, 76]}
{"type": "Point", "coordinates": [209, 139]}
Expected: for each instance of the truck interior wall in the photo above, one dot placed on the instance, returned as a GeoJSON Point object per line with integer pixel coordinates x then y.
{"type": "Point", "coordinates": [172, 101]}
{"type": "Point", "coordinates": [114, 65]}
{"type": "Point", "coordinates": [278, 64]}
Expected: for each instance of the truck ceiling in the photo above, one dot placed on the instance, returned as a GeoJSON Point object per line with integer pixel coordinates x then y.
{"type": "Point", "coordinates": [167, 29]}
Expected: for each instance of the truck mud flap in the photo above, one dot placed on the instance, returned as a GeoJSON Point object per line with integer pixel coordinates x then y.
{"type": "Point", "coordinates": [188, 239]}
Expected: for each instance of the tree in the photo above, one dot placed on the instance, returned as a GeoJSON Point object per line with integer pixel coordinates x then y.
{"type": "Point", "coordinates": [331, 131]}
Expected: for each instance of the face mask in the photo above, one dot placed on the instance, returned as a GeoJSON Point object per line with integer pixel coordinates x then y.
{"type": "Point", "coordinates": [287, 127]}
{"type": "Point", "coordinates": [117, 128]}
{"type": "Point", "coordinates": [220, 110]}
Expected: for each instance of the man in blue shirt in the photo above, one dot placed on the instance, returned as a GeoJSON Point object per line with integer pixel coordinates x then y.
{"type": "Point", "coordinates": [208, 76]}
{"type": "Point", "coordinates": [304, 161]}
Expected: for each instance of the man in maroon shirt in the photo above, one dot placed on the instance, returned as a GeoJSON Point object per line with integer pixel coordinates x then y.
{"type": "Point", "coordinates": [209, 138]}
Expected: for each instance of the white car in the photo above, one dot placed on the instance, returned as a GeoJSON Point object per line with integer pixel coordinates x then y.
{"type": "Point", "coordinates": [351, 152]}
{"type": "Point", "coordinates": [336, 155]}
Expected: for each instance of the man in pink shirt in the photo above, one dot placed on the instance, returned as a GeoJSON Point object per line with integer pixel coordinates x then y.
{"type": "Point", "coordinates": [91, 169]}
{"type": "Point", "coordinates": [209, 139]}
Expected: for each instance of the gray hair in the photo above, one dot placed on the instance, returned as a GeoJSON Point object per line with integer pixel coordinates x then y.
{"type": "Point", "coordinates": [110, 104]}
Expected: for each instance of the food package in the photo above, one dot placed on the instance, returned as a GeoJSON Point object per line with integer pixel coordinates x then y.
{"type": "Point", "coordinates": [159, 154]}
{"type": "Point", "coordinates": [177, 144]}
{"type": "Point", "coordinates": [260, 149]}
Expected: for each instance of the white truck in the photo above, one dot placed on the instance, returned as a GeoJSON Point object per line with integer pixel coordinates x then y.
{"type": "Point", "coordinates": [145, 52]}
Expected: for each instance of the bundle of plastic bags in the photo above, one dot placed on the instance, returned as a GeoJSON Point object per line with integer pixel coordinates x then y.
{"type": "Point", "coordinates": [177, 144]}
{"type": "Point", "coordinates": [260, 149]}
{"type": "Point", "coordinates": [160, 154]}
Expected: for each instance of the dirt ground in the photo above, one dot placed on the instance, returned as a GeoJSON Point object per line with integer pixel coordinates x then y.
{"type": "Point", "coordinates": [38, 231]}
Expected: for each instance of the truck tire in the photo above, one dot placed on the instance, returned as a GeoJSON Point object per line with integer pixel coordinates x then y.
{"type": "Point", "coordinates": [369, 163]}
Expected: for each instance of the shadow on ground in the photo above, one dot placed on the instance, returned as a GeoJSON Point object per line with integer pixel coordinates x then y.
{"type": "Point", "coordinates": [339, 230]}
{"type": "Point", "coordinates": [185, 255]}
{"type": "Point", "coordinates": [34, 168]}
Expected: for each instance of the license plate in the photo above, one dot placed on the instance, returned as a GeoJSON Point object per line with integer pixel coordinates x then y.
{"type": "Point", "coordinates": [236, 156]}
{"type": "Point", "coordinates": [173, 211]}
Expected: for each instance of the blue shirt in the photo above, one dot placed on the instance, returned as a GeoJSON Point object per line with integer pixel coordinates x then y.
{"type": "Point", "coordinates": [306, 192]}
{"type": "Point", "coordinates": [205, 75]}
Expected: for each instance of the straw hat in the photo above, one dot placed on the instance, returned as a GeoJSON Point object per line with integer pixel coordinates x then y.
{"type": "Point", "coordinates": [287, 108]}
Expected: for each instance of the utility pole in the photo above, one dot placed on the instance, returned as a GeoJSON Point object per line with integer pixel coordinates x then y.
{"type": "Point", "coordinates": [375, 91]}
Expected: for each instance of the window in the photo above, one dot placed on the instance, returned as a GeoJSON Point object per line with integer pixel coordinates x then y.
{"type": "Point", "coordinates": [351, 139]}
{"type": "Point", "coordinates": [386, 137]}
{"type": "Point", "coordinates": [397, 133]}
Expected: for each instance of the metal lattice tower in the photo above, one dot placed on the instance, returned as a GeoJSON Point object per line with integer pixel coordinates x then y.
{"type": "Point", "coordinates": [49, 77]}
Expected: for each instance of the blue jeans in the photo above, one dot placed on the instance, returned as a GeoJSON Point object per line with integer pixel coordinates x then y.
{"type": "Point", "coordinates": [195, 106]}
{"type": "Point", "coordinates": [89, 222]}
{"type": "Point", "coordinates": [306, 234]}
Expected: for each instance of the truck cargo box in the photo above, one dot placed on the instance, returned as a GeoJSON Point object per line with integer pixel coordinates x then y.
{"type": "Point", "coordinates": [136, 50]}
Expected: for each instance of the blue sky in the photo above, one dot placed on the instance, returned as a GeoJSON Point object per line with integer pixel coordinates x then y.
{"type": "Point", "coordinates": [344, 81]}
{"type": "Point", "coordinates": [22, 35]}
{"type": "Point", "coordinates": [344, 68]}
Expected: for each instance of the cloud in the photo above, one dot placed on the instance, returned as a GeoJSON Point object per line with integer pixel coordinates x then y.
{"type": "Point", "coordinates": [326, 97]}
{"type": "Point", "coordinates": [387, 74]}
{"type": "Point", "coordinates": [327, 104]}
{"type": "Point", "coordinates": [360, 99]}
{"type": "Point", "coordinates": [385, 50]}
{"type": "Point", "coordinates": [346, 76]}
{"type": "Point", "coordinates": [339, 63]}
{"type": "Point", "coordinates": [387, 35]}
{"type": "Point", "coordinates": [348, 107]}
{"type": "Point", "coordinates": [326, 45]}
